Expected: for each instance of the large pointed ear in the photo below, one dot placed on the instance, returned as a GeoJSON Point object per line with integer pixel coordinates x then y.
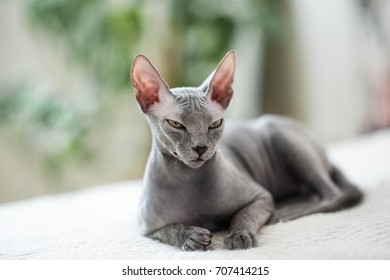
{"type": "Point", "coordinates": [218, 85]}
{"type": "Point", "coordinates": [147, 82]}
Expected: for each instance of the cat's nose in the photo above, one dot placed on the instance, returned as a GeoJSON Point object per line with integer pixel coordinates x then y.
{"type": "Point", "coordinates": [200, 149]}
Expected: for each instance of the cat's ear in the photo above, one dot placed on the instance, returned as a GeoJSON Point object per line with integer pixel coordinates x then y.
{"type": "Point", "coordinates": [218, 85]}
{"type": "Point", "coordinates": [148, 84]}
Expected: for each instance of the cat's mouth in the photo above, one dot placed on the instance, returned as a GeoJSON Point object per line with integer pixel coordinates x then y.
{"type": "Point", "coordinates": [196, 163]}
{"type": "Point", "coordinates": [198, 160]}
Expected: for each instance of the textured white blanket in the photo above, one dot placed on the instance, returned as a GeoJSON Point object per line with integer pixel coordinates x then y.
{"type": "Point", "coordinates": [100, 223]}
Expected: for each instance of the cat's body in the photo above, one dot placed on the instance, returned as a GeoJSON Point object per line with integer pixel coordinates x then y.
{"type": "Point", "coordinates": [198, 181]}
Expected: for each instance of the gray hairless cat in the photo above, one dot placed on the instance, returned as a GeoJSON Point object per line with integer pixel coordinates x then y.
{"type": "Point", "coordinates": [199, 180]}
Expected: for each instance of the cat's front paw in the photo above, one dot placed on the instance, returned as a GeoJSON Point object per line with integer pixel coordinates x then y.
{"type": "Point", "coordinates": [240, 240]}
{"type": "Point", "coordinates": [198, 239]}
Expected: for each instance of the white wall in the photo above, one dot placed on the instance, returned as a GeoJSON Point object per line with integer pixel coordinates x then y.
{"type": "Point", "coordinates": [332, 90]}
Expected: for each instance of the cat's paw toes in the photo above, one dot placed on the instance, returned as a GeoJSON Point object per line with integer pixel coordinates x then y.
{"type": "Point", "coordinates": [240, 240]}
{"type": "Point", "coordinates": [198, 240]}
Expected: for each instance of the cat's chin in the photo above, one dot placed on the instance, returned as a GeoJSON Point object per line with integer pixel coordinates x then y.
{"type": "Point", "coordinates": [195, 163]}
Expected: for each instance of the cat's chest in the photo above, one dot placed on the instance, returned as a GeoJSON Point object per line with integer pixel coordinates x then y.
{"type": "Point", "coordinates": [213, 212]}
{"type": "Point", "coordinates": [210, 205]}
{"type": "Point", "coordinates": [204, 201]}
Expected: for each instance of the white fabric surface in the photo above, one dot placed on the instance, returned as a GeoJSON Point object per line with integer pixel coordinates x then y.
{"type": "Point", "coordinates": [100, 223]}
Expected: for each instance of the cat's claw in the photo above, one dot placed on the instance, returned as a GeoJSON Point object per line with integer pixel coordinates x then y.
{"type": "Point", "coordinates": [198, 240]}
{"type": "Point", "coordinates": [240, 240]}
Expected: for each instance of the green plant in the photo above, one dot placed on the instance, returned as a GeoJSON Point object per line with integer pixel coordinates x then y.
{"type": "Point", "coordinates": [57, 127]}
{"type": "Point", "coordinates": [100, 38]}
{"type": "Point", "coordinates": [204, 30]}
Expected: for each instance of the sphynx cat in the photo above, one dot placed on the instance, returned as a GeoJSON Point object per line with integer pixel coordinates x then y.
{"type": "Point", "coordinates": [203, 177]}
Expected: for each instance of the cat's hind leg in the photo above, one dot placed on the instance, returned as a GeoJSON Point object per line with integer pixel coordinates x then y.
{"type": "Point", "coordinates": [293, 207]}
{"type": "Point", "coordinates": [305, 160]}
{"type": "Point", "coordinates": [298, 207]}
{"type": "Point", "coordinates": [351, 192]}
{"type": "Point", "coordinates": [311, 203]}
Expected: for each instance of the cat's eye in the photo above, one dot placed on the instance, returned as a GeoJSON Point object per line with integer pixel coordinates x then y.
{"type": "Point", "coordinates": [175, 124]}
{"type": "Point", "coordinates": [216, 124]}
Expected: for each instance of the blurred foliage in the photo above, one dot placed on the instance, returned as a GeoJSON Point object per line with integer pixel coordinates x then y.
{"type": "Point", "coordinates": [206, 30]}
{"type": "Point", "coordinates": [101, 38]}
{"type": "Point", "coordinates": [46, 121]}
{"type": "Point", "coordinates": [105, 39]}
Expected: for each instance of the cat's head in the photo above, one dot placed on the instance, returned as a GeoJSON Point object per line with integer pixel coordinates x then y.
{"type": "Point", "coordinates": [187, 122]}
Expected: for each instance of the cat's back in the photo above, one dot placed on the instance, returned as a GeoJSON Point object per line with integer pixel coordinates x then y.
{"type": "Point", "coordinates": [250, 142]}
{"type": "Point", "coordinates": [251, 145]}
{"type": "Point", "coordinates": [261, 128]}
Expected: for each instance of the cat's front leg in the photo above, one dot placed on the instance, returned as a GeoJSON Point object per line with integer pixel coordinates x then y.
{"type": "Point", "coordinates": [188, 238]}
{"type": "Point", "coordinates": [246, 223]}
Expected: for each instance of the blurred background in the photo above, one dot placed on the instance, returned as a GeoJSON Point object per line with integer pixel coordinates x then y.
{"type": "Point", "coordinates": [68, 117]}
